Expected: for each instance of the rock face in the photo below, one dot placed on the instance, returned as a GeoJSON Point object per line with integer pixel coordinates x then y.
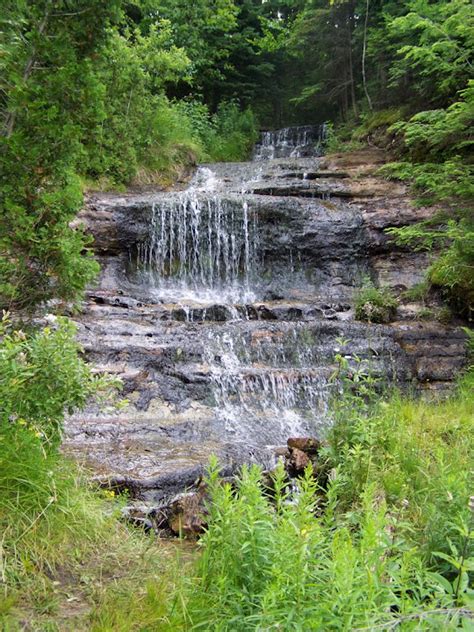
{"type": "Point", "coordinates": [221, 308]}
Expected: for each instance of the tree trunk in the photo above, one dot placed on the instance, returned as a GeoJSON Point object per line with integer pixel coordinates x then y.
{"type": "Point", "coordinates": [351, 72]}
{"type": "Point", "coordinates": [364, 53]}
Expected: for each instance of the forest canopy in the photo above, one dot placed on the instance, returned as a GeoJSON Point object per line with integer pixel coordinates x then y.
{"type": "Point", "coordinates": [103, 95]}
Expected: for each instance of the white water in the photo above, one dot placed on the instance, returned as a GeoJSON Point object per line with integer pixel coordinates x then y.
{"type": "Point", "coordinates": [290, 142]}
{"type": "Point", "coordinates": [202, 247]}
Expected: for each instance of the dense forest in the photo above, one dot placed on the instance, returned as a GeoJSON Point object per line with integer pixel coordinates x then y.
{"type": "Point", "coordinates": [132, 95]}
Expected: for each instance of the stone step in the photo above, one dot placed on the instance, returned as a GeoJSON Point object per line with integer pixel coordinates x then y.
{"type": "Point", "coordinates": [156, 471]}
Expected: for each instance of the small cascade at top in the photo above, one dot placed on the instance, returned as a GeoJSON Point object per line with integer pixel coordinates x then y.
{"type": "Point", "coordinates": [291, 142]}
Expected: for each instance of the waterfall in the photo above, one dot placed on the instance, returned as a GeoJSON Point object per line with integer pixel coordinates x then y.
{"type": "Point", "coordinates": [221, 307]}
{"type": "Point", "coordinates": [290, 142]}
{"type": "Point", "coordinates": [268, 385]}
{"type": "Point", "coordinates": [201, 243]}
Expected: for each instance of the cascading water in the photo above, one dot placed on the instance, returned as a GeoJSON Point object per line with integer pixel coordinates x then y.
{"type": "Point", "coordinates": [201, 245]}
{"type": "Point", "coordinates": [221, 307]}
{"type": "Point", "coordinates": [205, 246]}
{"type": "Point", "coordinates": [290, 142]}
{"type": "Point", "coordinates": [269, 383]}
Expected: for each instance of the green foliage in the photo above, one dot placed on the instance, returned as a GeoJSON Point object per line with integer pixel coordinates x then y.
{"type": "Point", "coordinates": [233, 134]}
{"type": "Point", "coordinates": [453, 240]}
{"type": "Point", "coordinates": [418, 292]}
{"type": "Point", "coordinates": [84, 92]}
{"type": "Point", "coordinates": [340, 139]}
{"type": "Point", "coordinates": [41, 377]}
{"type": "Point", "coordinates": [405, 446]}
{"type": "Point", "coordinates": [43, 50]}
{"type": "Point", "coordinates": [386, 541]}
{"type": "Point", "coordinates": [434, 182]}
{"type": "Point", "coordinates": [375, 305]}
{"type": "Point", "coordinates": [374, 125]}
{"type": "Point", "coordinates": [227, 135]}
{"type": "Point", "coordinates": [139, 126]}
{"type": "Point", "coordinates": [440, 133]}
{"type": "Point", "coordinates": [272, 564]}
{"type": "Point", "coordinates": [435, 42]}
{"type": "Point", "coordinates": [444, 136]}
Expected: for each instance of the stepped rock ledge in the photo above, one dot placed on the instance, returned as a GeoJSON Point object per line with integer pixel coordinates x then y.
{"type": "Point", "coordinates": [221, 307]}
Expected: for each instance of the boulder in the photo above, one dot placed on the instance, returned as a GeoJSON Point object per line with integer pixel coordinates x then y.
{"type": "Point", "coordinates": [309, 445]}
{"type": "Point", "coordinates": [188, 513]}
{"type": "Point", "coordinates": [298, 461]}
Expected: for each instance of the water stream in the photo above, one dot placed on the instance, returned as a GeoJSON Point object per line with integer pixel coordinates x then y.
{"type": "Point", "coordinates": [205, 246]}
{"type": "Point", "coordinates": [221, 308]}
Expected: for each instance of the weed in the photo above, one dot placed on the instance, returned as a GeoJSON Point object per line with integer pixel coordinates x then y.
{"type": "Point", "coordinates": [375, 305]}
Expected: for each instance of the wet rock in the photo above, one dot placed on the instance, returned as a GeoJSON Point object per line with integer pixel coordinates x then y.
{"type": "Point", "coordinates": [309, 445]}
{"type": "Point", "coordinates": [229, 370]}
{"type": "Point", "coordinates": [187, 513]}
{"type": "Point", "coordinates": [298, 461]}
{"type": "Point", "coordinates": [282, 452]}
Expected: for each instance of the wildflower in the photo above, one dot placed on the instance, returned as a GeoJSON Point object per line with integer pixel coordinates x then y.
{"type": "Point", "coordinates": [21, 357]}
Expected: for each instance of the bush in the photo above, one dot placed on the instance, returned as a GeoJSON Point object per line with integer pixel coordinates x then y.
{"type": "Point", "coordinates": [378, 545]}
{"type": "Point", "coordinates": [449, 181]}
{"type": "Point", "coordinates": [375, 305]}
{"type": "Point", "coordinates": [234, 135]}
{"type": "Point", "coordinates": [41, 378]}
{"type": "Point", "coordinates": [43, 501]}
{"type": "Point", "coordinates": [452, 269]}
{"type": "Point", "coordinates": [375, 125]}
{"type": "Point", "coordinates": [228, 135]}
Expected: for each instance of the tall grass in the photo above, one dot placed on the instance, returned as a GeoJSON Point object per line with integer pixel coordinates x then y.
{"type": "Point", "coordinates": [382, 545]}
{"type": "Point", "coordinates": [378, 536]}
{"type": "Point", "coordinates": [381, 541]}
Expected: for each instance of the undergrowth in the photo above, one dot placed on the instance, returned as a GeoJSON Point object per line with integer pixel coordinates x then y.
{"type": "Point", "coordinates": [380, 538]}
{"type": "Point", "coordinates": [378, 535]}
{"type": "Point", "coordinates": [374, 305]}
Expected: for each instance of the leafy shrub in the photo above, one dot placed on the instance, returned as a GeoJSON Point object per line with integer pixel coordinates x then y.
{"type": "Point", "coordinates": [340, 139]}
{"type": "Point", "coordinates": [227, 135]}
{"type": "Point", "coordinates": [435, 133]}
{"type": "Point", "coordinates": [405, 445]}
{"type": "Point", "coordinates": [376, 124]}
{"type": "Point", "coordinates": [448, 181]}
{"type": "Point", "coordinates": [42, 377]}
{"type": "Point", "coordinates": [452, 269]}
{"type": "Point", "coordinates": [235, 133]}
{"type": "Point", "coordinates": [375, 305]}
{"type": "Point", "coordinates": [304, 562]}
